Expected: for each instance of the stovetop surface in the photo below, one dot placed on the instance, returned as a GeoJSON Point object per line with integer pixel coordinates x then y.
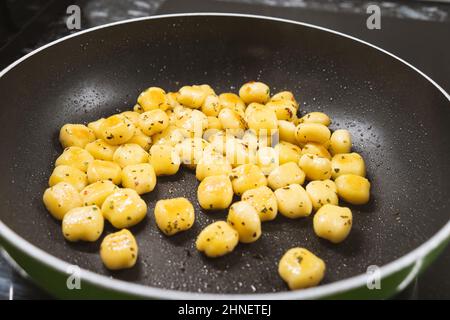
{"type": "Point", "coordinates": [416, 31]}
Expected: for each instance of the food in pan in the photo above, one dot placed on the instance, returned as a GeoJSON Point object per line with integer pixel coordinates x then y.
{"type": "Point", "coordinates": [252, 145]}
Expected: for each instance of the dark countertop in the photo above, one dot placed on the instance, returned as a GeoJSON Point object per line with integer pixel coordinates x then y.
{"type": "Point", "coordinates": [423, 27]}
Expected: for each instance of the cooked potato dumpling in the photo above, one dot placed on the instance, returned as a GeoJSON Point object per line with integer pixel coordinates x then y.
{"type": "Point", "coordinates": [246, 177]}
{"type": "Point", "coordinates": [316, 149]}
{"type": "Point", "coordinates": [164, 159]}
{"type": "Point", "coordinates": [286, 131]}
{"type": "Point", "coordinates": [139, 177]}
{"type": "Point", "coordinates": [116, 130]}
{"type": "Point", "coordinates": [217, 239]}
{"type": "Point", "coordinates": [284, 109]}
{"type": "Point", "coordinates": [124, 208]}
{"type": "Point", "coordinates": [333, 223]}
{"type": "Point", "coordinates": [232, 122]}
{"type": "Point", "coordinates": [314, 167]}
{"type": "Point", "coordinates": [95, 126]}
{"type": "Point", "coordinates": [353, 188]}
{"type": "Point", "coordinates": [244, 218]}
{"type": "Point", "coordinates": [316, 117]}
{"type": "Point", "coordinates": [68, 174]}
{"type": "Point", "coordinates": [75, 157]}
{"type": "Point", "coordinates": [238, 153]}
{"type": "Point", "coordinates": [104, 170]}
{"type": "Point", "coordinates": [153, 98]}
{"type": "Point", "coordinates": [101, 150]}
{"type": "Point", "coordinates": [211, 106]}
{"type": "Point", "coordinates": [293, 201]}
{"type": "Point", "coordinates": [321, 194]}
{"type": "Point", "coordinates": [192, 96]}
{"type": "Point", "coordinates": [174, 215]}
{"type": "Point", "coordinates": [263, 122]}
{"type": "Point", "coordinates": [96, 193]}
{"type": "Point", "coordinates": [346, 163]}
{"type": "Point", "coordinates": [191, 151]}
{"type": "Point", "coordinates": [287, 152]}
{"type": "Point", "coordinates": [83, 223]}
{"type": "Point", "coordinates": [312, 132]}
{"type": "Point", "coordinates": [141, 139]}
{"type": "Point", "coordinates": [340, 142]}
{"type": "Point", "coordinates": [254, 92]}
{"type": "Point", "coordinates": [212, 164]}
{"type": "Point", "coordinates": [284, 95]}
{"type": "Point", "coordinates": [215, 192]}
{"type": "Point", "coordinates": [170, 136]}
{"type": "Point", "coordinates": [119, 250]}
{"type": "Point", "coordinates": [267, 159]}
{"type": "Point", "coordinates": [300, 268]}
{"type": "Point", "coordinates": [75, 135]}
{"type": "Point", "coordinates": [153, 121]}
{"type": "Point", "coordinates": [232, 101]}
{"type": "Point", "coordinates": [128, 154]}
{"type": "Point", "coordinates": [193, 124]}
{"type": "Point", "coordinates": [61, 198]}
{"type": "Point", "coordinates": [263, 200]}
{"type": "Point", "coordinates": [284, 175]}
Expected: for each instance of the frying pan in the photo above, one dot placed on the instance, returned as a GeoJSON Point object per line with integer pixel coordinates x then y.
{"type": "Point", "coordinates": [398, 118]}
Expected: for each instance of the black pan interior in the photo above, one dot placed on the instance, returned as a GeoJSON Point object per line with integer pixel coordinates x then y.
{"type": "Point", "coordinates": [399, 122]}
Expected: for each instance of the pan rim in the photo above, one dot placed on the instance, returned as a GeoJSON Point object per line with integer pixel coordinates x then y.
{"type": "Point", "coordinates": [153, 292]}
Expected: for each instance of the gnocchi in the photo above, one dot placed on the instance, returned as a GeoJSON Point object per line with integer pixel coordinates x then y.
{"type": "Point", "coordinates": [75, 157]}
{"type": "Point", "coordinates": [264, 201]}
{"type": "Point", "coordinates": [215, 192]}
{"type": "Point", "coordinates": [71, 175]}
{"type": "Point", "coordinates": [348, 163]}
{"type": "Point", "coordinates": [97, 192]}
{"type": "Point", "coordinates": [75, 135]}
{"type": "Point", "coordinates": [300, 268]}
{"type": "Point", "coordinates": [60, 198]}
{"type": "Point", "coordinates": [244, 218]}
{"type": "Point", "coordinates": [119, 250]}
{"type": "Point", "coordinates": [174, 215]}
{"type": "Point", "coordinates": [254, 92]}
{"type": "Point", "coordinates": [164, 159]}
{"type": "Point", "coordinates": [315, 167]}
{"type": "Point", "coordinates": [333, 223]}
{"type": "Point", "coordinates": [83, 223]}
{"type": "Point", "coordinates": [104, 170]}
{"type": "Point", "coordinates": [285, 175]}
{"type": "Point", "coordinates": [217, 239]}
{"type": "Point", "coordinates": [293, 201]}
{"type": "Point", "coordinates": [246, 177]}
{"type": "Point", "coordinates": [353, 188]}
{"type": "Point", "coordinates": [139, 177]}
{"type": "Point", "coordinates": [129, 154]}
{"type": "Point", "coordinates": [321, 194]}
{"type": "Point", "coordinates": [124, 208]}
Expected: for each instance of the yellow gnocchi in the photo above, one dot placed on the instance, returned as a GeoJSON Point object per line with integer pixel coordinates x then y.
{"type": "Point", "coordinates": [212, 164]}
{"type": "Point", "coordinates": [164, 159]}
{"type": "Point", "coordinates": [192, 96]}
{"type": "Point", "coordinates": [153, 98]}
{"type": "Point", "coordinates": [141, 139]}
{"type": "Point", "coordinates": [293, 201]}
{"type": "Point", "coordinates": [116, 130]}
{"type": "Point", "coordinates": [244, 218]}
{"type": "Point", "coordinates": [83, 223]}
{"type": "Point", "coordinates": [211, 106]}
{"type": "Point", "coordinates": [254, 92]}
{"type": "Point", "coordinates": [285, 175]}
{"type": "Point", "coordinates": [321, 193]}
{"type": "Point", "coordinates": [246, 177]}
{"type": "Point", "coordinates": [71, 175]}
{"type": "Point", "coordinates": [215, 192]}
{"type": "Point", "coordinates": [75, 157]}
{"type": "Point", "coordinates": [301, 269]}
{"type": "Point", "coordinates": [333, 223]}
{"type": "Point", "coordinates": [316, 117]}
{"type": "Point", "coordinates": [287, 152]}
{"type": "Point", "coordinates": [340, 142]}
{"type": "Point", "coordinates": [348, 163]}
{"type": "Point", "coordinates": [153, 121]}
{"type": "Point", "coordinates": [286, 131]}
{"type": "Point", "coordinates": [119, 250]}
{"type": "Point", "coordinates": [97, 192]}
{"type": "Point", "coordinates": [129, 154]}
{"type": "Point", "coordinates": [60, 198]}
{"type": "Point", "coordinates": [217, 239]}
{"type": "Point", "coordinates": [353, 188]}
{"type": "Point", "coordinates": [191, 151]}
{"type": "Point", "coordinates": [316, 149]}
{"type": "Point", "coordinates": [104, 170]}
{"type": "Point", "coordinates": [139, 177]}
{"type": "Point", "coordinates": [315, 167]}
{"type": "Point", "coordinates": [312, 132]}
{"type": "Point", "coordinates": [174, 215]}
{"type": "Point", "coordinates": [124, 208]}
{"type": "Point", "coordinates": [101, 150]}
{"type": "Point", "coordinates": [75, 135]}
{"type": "Point", "coordinates": [263, 122]}
{"type": "Point", "coordinates": [264, 201]}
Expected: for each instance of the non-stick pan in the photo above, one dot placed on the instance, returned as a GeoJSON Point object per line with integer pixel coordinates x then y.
{"type": "Point", "coordinates": [398, 117]}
